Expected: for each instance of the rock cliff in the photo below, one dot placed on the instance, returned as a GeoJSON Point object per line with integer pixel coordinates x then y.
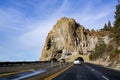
{"type": "Point", "coordinates": [69, 38]}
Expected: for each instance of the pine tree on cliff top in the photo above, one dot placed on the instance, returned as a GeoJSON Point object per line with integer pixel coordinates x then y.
{"type": "Point", "coordinates": [105, 27]}
{"type": "Point", "coordinates": [109, 26]}
{"type": "Point", "coordinates": [116, 29]}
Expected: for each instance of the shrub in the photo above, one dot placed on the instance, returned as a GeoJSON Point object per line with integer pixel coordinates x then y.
{"type": "Point", "coordinates": [114, 53]}
{"type": "Point", "coordinates": [99, 50]}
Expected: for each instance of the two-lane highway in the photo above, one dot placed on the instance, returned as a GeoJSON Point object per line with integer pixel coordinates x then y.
{"type": "Point", "coordinates": [88, 71]}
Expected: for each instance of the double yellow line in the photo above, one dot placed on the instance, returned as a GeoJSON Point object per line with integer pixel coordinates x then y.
{"type": "Point", "coordinates": [58, 73]}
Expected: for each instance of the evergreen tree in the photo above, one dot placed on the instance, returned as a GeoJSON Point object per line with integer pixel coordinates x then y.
{"type": "Point", "coordinates": [116, 29]}
{"type": "Point", "coordinates": [109, 25]}
{"type": "Point", "coordinates": [92, 30]}
{"type": "Point", "coordinates": [105, 27]}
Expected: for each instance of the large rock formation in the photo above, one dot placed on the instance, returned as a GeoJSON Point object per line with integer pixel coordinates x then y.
{"type": "Point", "coordinates": [68, 38]}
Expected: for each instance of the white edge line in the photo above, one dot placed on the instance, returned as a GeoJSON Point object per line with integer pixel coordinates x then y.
{"type": "Point", "coordinates": [105, 77]}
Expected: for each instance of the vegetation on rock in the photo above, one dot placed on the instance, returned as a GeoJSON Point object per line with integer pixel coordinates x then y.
{"type": "Point", "coordinates": [114, 53]}
{"type": "Point", "coordinates": [99, 49]}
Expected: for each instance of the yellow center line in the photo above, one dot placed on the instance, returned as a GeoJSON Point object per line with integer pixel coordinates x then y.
{"type": "Point", "coordinates": [5, 74]}
{"type": "Point", "coordinates": [56, 74]}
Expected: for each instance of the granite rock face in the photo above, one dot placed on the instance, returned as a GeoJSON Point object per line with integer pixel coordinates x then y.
{"type": "Point", "coordinates": [68, 38]}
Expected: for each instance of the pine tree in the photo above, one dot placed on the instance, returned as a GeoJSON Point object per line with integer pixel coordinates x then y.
{"type": "Point", "coordinates": [105, 27]}
{"type": "Point", "coordinates": [109, 25]}
{"type": "Point", "coordinates": [116, 29]}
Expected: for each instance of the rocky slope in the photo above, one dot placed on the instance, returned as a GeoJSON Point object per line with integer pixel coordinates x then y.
{"type": "Point", "coordinates": [69, 38]}
{"type": "Point", "coordinates": [110, 56]}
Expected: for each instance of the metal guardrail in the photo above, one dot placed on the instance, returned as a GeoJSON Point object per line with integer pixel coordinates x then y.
{"type": "Point", "coordinates": [52, 63]}
{"type": "Point", "coordinates": [3, 64]}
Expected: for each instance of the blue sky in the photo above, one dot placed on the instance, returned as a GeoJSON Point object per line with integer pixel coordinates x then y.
{"type": "Point", "coordinates": [24, 24]}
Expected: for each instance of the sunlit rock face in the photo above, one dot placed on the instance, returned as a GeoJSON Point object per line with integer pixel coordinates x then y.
{"type": "Point", "coordinates": [68, 38]}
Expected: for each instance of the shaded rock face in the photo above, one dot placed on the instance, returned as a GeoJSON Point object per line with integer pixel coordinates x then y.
{"type": "Point", "coordinates": [67, 38]}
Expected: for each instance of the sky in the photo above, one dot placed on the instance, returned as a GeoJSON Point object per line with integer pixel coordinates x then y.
{"type": "Point", "coordinates": [24, 24]}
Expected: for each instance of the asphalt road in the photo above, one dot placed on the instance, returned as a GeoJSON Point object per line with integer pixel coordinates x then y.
{"type": "Point", "coordinates": [88, 71]}
{"type": "Point", "coordinates": [85, 71]}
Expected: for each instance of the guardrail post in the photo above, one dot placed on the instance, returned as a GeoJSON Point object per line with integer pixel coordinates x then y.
{"type": "Point", "coordinates": [51, 64]}
{"type": "Point", "coordinates": [60, 64]}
